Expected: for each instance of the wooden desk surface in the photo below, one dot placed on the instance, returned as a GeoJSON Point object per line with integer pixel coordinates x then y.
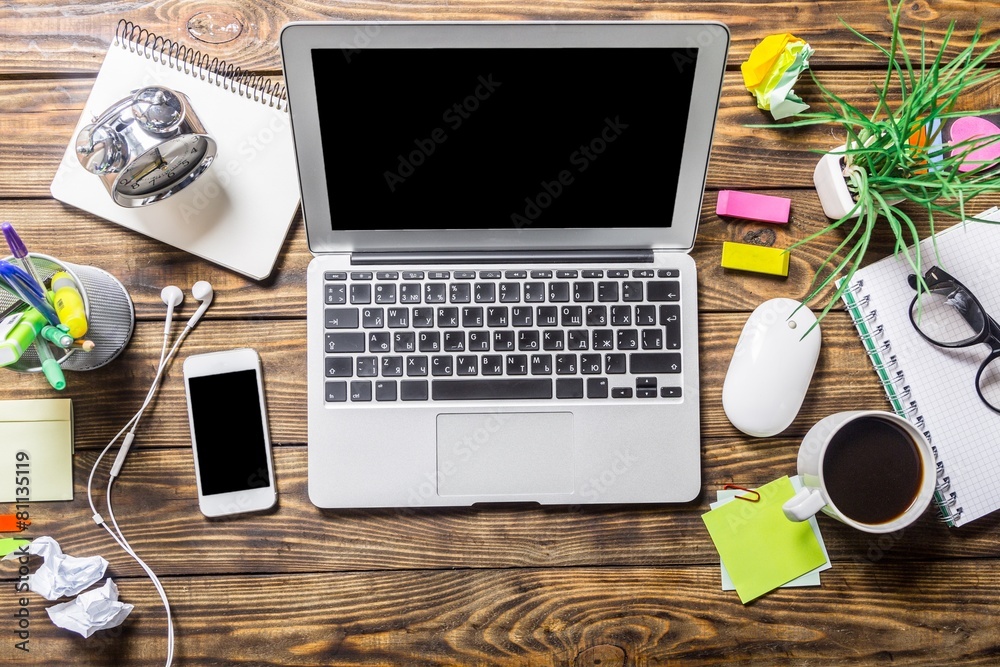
{"type": "Point", "coordinates": [547, 586]}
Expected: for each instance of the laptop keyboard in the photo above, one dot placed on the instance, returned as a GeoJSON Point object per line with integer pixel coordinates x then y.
{"type": "Point", "coordinates": [429, 335]}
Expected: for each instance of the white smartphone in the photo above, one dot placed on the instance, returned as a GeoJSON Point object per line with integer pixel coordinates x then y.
{"type": "Point", "coordinates": [229, 434]}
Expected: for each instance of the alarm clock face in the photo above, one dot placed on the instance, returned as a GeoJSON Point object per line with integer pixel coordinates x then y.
{"type": "Point", "coordinates": [165, 169]}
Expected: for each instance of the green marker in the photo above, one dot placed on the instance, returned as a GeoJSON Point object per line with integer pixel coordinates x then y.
{"type": "Point", "coordinates": [18, 331]}
{"type": "Point", "coordinates": [58, 335]}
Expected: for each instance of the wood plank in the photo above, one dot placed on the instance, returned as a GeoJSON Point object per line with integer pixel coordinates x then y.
{"type": "Point", "coordinates": [743, 157]}
{"type": "Point", "coordinates": [862, 613]}
{"type": "Point", "coordinates": [144, 266]}
{"type": "Point", "coordinates": [155, 503]}
{"type": "Point", "coordinates": [55, 36]}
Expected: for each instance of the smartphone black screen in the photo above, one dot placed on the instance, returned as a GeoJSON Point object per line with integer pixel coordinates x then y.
{"type": "Point", "coordinates": [229, 432]}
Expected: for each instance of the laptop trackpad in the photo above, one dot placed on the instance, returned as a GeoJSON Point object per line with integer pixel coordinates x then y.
{"type": "Point", "coordinates": [505, 453]}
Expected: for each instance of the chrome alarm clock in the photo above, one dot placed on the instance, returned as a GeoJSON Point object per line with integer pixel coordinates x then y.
{"type": "Point", "coordinates": [146, 147]}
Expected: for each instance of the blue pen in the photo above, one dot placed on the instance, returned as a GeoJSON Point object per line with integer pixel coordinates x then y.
{"type": "Point", "coordinates": [20, 251]}
{"type": "Point", "coordinates": [20, 283]}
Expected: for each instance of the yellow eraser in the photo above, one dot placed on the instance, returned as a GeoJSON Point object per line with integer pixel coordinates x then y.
{"type": "Point", "coordinates": [760, 259]}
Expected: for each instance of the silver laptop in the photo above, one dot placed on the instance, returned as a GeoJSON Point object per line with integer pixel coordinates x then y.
{"type": "Point", "coordinates": [501, 307]}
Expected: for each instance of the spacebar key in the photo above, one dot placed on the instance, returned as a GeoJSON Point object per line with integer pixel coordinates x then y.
{"type": "Point", "coordinates": [482, 390]}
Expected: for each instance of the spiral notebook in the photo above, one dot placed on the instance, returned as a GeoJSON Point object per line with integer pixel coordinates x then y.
{"type": "Point", "coordinates": [237, 214]}
{"type": "Point", "coordinates": [933, 387]}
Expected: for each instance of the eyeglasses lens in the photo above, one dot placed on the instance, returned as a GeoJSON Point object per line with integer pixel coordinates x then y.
{"type": "Point", "coordinates": [989, 384]}
{"type": "Point", "coordinates": [948, 315]}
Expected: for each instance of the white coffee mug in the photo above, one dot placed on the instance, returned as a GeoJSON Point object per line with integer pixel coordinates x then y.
{"type": "Point", "coordinates": [873, 483]}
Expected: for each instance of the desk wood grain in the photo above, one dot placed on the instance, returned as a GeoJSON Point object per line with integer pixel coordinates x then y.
{"type": "Point", "coordinates": [579, 586]}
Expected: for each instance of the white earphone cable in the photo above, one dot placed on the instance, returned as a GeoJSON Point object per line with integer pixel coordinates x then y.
{"type": "Point", "coordinates": [116, 533]}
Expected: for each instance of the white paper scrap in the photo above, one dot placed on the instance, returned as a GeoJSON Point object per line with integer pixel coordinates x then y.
{"type": "Point", "coordinates": [61, 575]}
{"type": "Point", "coordinates": [89, 612]}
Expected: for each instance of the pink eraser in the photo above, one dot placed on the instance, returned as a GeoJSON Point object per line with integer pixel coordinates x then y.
{"type": "Point", "coordinates": [753, 207]}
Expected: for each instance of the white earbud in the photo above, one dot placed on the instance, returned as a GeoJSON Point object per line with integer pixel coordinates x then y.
{"type": "Point", "coordinates": [202, 291]}
{"type": "Point", "coordinates": [173, 297]}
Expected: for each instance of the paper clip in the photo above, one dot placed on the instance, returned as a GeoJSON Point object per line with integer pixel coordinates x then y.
{"type": "Point", "coordinates": [746, 498]}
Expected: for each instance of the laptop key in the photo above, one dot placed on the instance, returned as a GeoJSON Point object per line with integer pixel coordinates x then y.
{"type": "Point", "coordinates": [367, 367]}
{"type": "Point", "coordinates": [413, 390]}
{"type": "Point", "coordinates": [569, 388]}
{"type": "Point", "coordinates": [342, 318]}
{"type": "Point", "coordinates": [670, 318]}
{"type": "Point", "coordinates": [335, 294]}
{"type": "Point", "coordinates": [361, 390]}
{"type": "Point", "coordinates": [336, 392]}
{"type": "Point", "coordinates": [339, 367]}
{"type": "Point", "coordinates": [655, 362]}
{"type": "Point", "coordinates": [361, 293]}
{"type": "Point", "coordinates": [597, 387]}
{"type": "Point", "coordinates": [385, 390]}
{"type": "Point", "coordinates": [663, 290]}
{"type": "Point", "coordinates": [340, 342]}
{"type": "Point", "coordinates": [484, 390]}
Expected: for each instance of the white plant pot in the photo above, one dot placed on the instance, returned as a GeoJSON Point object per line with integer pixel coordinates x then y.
{"type": "Point", "coordinates": [831, 186]}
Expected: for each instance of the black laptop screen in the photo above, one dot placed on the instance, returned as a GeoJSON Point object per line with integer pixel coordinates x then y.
{"type": "Point", "coordinates": [503, 138]}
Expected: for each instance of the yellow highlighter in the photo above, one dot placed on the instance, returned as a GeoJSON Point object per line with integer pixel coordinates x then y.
{"type": "Point", "coordinates": [759, 259]}
{"type": "Point", "coordinates": [68, 303]}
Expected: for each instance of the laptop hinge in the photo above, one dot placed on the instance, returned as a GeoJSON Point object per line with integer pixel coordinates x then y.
{"type": "Point", "coordinates": [496, 257]}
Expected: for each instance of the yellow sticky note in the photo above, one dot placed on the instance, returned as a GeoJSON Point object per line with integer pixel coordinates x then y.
{"type": "Point", "coordinates": [760, 547]}
{"type": "Point", "coordinates": [756, 258]}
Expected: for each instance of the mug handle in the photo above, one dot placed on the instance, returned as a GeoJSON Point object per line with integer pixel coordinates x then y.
{"type": "Point", "coordinates": [803, 504]}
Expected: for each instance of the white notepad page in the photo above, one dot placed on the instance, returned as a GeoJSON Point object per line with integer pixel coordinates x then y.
{"type": "Point", "coordinates": [964, 432]}
{"type": "Point", "coordinates": [237, 214]}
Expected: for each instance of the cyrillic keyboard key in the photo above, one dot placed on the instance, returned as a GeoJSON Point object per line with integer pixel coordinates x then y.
{"type": "Point", "coordinates": [483, 390]}
{"type": "Point", "coordinates": [654, 362]}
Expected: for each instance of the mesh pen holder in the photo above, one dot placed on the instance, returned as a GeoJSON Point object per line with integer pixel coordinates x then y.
{"type": "Point", "coordinates": [110, 316]}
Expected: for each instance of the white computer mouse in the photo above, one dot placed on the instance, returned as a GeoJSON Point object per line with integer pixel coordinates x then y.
{"type": "Point", "coordinates": [771, 368]}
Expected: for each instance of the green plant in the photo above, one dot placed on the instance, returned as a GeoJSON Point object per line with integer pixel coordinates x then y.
{"type": "Point", "coordinates": [885, 171]}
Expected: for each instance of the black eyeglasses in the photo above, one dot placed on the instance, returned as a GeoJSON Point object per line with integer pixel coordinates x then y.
{"type": "Point", "coordinates": [948, 315]}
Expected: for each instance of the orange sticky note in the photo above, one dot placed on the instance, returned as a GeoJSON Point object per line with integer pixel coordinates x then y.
{"type": "Point", "coordinates": [9, 523]}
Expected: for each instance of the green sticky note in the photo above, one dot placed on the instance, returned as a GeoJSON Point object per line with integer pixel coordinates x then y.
{"type": "Point", "coordinates": [760, 547]}
{"type": "Point", "coordinates": [9, 545]}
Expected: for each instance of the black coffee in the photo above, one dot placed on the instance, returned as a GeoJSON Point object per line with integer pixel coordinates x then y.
{"type": "Point", "coordinates": [872, 470]}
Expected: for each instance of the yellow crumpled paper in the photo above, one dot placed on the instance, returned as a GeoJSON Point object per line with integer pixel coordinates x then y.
{"type": "Point", "coordinates": [772, 70]}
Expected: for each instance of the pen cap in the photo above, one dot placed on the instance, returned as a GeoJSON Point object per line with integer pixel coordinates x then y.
{"type": "Point", "coordinates": [109, 310]}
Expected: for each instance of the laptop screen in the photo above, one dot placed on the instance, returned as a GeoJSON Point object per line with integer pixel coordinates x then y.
{"type": "Point", "coordinates": [503, 138]}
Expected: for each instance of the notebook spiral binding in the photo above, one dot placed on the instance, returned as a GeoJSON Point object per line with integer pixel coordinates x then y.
{"type": "Point", "coordinates": [175, 55]}
{"type": "Point", "coordinates": [892, 379]}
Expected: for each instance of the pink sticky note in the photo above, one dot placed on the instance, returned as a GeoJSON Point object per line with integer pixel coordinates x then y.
{"type": "Point", "coordinates": [969, 129]}
{"type": "Point", "coordinates": [763, 208]}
